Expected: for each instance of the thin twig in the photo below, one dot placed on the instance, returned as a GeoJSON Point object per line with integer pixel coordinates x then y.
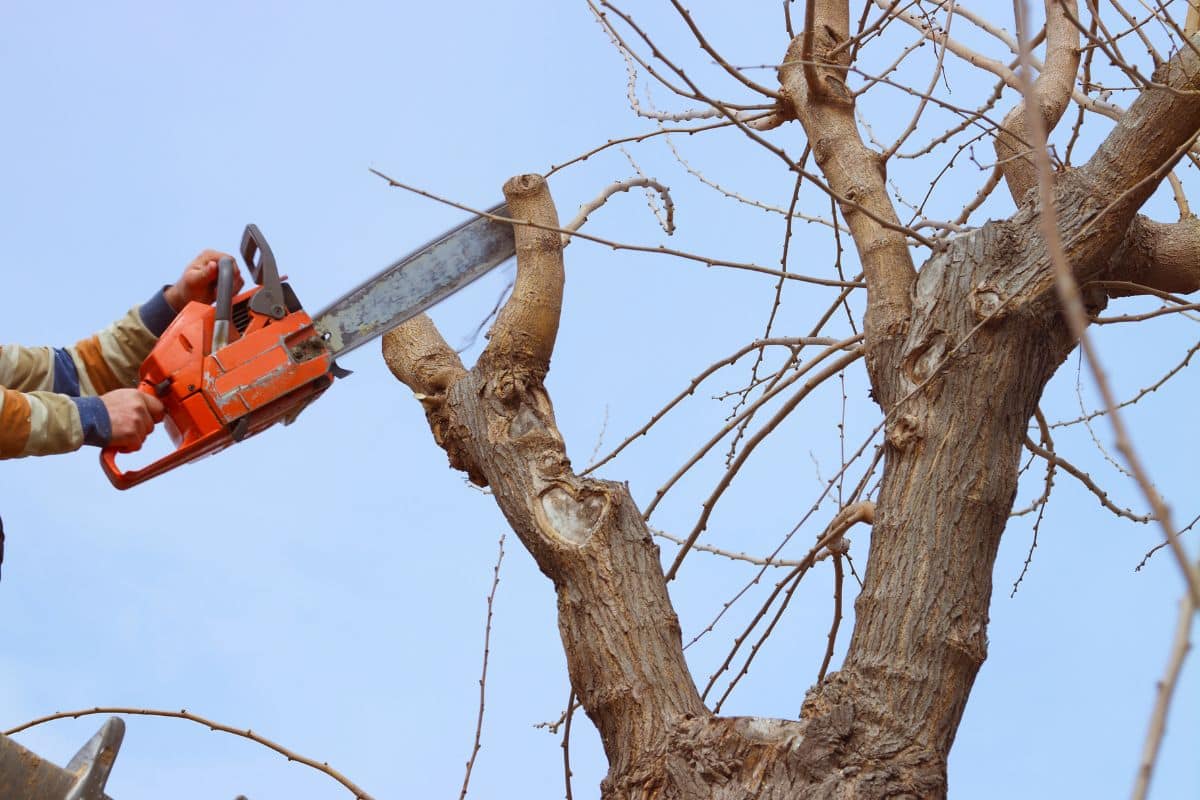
{"type": "Point", "coordinates": [245, 733]}
{"type": "Point", "coordinates": [487, 638]}
{"type": "Point", "coordinates": [838, 576]}
{"type": "Point", "coordinates": [659, 249]}
{"type": "Point", "coordinates": [622, 186]}
{"type": "Point", "coordinates": [1166, 690]}
{"type": "Point", "coordinates": [784, 411]}
{"type": "Point", "coordinates": [566, 742]}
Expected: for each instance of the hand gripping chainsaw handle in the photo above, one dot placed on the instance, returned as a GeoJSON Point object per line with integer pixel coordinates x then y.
{"type": "Point", "coordinates": [226, 272]}
{"type": "Point", "coordinates": [226, 373]}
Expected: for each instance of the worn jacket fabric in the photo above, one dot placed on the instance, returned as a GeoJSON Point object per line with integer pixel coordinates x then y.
{"type": "Point", "coordinates": [50, 397]}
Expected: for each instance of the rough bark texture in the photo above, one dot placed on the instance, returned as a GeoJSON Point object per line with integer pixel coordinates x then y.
{"type": "Point", "coordinates": [980, 313]}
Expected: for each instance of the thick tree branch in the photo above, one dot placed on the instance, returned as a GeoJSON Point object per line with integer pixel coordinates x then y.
{"type": "Point", "coordinates": [216, 727]}
{"type": "Point", "coordinates": [419, 357]}
{"type": "Point", "coordinates": [853, 170]}
{"type": "Point", "coordinates": [1164, 256]}
{"type": "Point", "coordinates": [1151, 136]}
{"type": "Point", "coordinates": [524, 333]}
{"type": "Point", "coordinates": [991, 65]}
{"type": "Point", "coordinates": [1051, 96]}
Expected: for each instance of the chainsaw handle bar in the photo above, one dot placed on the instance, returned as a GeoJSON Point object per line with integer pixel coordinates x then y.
{"type": "Point", "coordinates": [226, 269]}
{"type": "Point", "coordinates": [108, 456]}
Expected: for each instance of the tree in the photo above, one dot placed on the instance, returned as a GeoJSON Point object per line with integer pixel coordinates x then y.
{"type": "Point", "coordinates": [960, 334]}
{"type": "Point", "coordinates": [326, 601]}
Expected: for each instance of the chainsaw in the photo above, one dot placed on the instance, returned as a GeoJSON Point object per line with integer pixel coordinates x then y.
{"type": "Point", "coordinates": [229, 371]}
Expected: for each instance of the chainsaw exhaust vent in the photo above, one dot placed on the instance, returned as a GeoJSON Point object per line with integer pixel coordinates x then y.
{"type": "Point", "coordinates": [241, 316]}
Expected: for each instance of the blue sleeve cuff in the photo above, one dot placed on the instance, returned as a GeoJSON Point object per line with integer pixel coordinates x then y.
{"type": "Point", "coordinates": [156, 313]}
{"type": "Point", "coordinates": [97, 427]}
{"type": "Point", "coordinates": [66, 376]}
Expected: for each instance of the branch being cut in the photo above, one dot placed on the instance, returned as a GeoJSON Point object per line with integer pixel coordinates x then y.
{"type": "Point", "coordinates": [419, 357]}
{"type": "Point", "coordinates": [1051, 96]}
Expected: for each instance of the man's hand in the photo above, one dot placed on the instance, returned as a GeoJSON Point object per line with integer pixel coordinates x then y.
{"type": "Point", "coordinates": [199, 281]}
{"type": "Point", "coordinates": [132, 415]}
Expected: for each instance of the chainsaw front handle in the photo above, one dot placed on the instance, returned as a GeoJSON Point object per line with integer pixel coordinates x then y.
{"type": "Point", "coordinates": [226, 271]}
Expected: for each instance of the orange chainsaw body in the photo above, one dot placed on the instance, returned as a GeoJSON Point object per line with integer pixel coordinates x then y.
{"type": "Point", "coordinates": [271, 368]}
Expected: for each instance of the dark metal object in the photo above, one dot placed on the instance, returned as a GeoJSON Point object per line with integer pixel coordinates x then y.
{"type": "Point", "coordinates": [416, 282]}
{"type": "Point", "coordinates": [24, 775]}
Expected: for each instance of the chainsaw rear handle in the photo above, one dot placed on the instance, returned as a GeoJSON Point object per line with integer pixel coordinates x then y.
{"type": "Point", "coordinates": [108, 456]}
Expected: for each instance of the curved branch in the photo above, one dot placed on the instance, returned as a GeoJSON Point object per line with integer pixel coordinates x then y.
{"type": "Point", "coordinates": [623, 186]}
{"type": "Point", "coordinates": [854, 171]}
{"type": "Point", "coordinates": [1086, 480]}
{"type": "Point", "coordinates": [1051, 96]}
{"type": "Point", "coordinates": [290, 755]}
{"type": "Point", "coordinates": [524, 333]}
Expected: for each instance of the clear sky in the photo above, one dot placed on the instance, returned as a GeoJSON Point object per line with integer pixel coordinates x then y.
{"type": "Point", "coordinates": [325, 584]}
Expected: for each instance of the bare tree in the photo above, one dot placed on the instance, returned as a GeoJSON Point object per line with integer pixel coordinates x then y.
{"type": "Point", "coordinates": [957, 351]}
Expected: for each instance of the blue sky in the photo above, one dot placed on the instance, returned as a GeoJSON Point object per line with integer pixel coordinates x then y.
{"type": "Point", "coordinates": [325, 584]}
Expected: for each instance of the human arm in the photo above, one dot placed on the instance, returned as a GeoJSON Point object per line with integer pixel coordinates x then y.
{"type": "Point", "coordinates": [55, 400]}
